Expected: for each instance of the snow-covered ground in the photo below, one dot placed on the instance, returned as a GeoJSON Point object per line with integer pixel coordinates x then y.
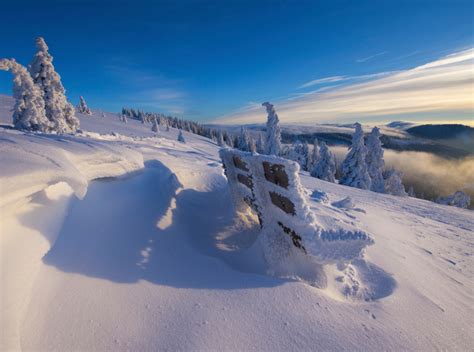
{"type": "Point", "coordinates": [117, 239]}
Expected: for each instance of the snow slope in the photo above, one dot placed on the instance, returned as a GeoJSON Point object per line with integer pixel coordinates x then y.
{"type": "Point", "coordinates": [153, 257]}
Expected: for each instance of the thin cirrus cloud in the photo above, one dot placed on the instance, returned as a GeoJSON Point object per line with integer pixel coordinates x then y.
{"type": "Point", "coordinates": [368, 58]}
{"type": "Point", "coordinates": [145, 89]}
{"type": "Point", "coordinates": [442, 89]}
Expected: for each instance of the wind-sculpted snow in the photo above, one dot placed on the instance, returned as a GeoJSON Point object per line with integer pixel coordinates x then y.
{"type": "Point", "coordinates": [31, 162]}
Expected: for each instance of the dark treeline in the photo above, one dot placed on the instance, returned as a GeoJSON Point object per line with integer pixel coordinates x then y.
{"type": "Point", "coordinates": [182, 124]}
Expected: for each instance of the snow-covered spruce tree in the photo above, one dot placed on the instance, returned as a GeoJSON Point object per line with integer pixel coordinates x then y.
{"type": "Point", "coordinates": [220, 139]}
{"type": "Point", "coordinates": [58, 110]}
{"type": "Point", "coordinates": [297, 153]}
{"type": "Point", "coordinates": [393, 183]}
{"type": "Point", "coordinates": [141, 116]}
{"type": "Point", "coordinates": [154, 126]}
{"type": "Point", "coordinates": [181, 137]}
{"type": "Point", "coordinates": [244, 140]}
{"type": "Point", "coordinates": [354, 167]}
{"type": "Point", "coordinates": [308, 156]}
{"type": "Point", "coordinates": [273, 140]}
{"type": "Point", "coordinates": [83, 108]}
{"type": "Point", "coordinates": [375, 162]}
{"type": "Point", "coordinates": [325, 168]}
{"type": "Point", "coordinates": [260, 144]}
{"type": "Point", "coordinates": [252, 146]}
{"type": "Point", "coordinates": [314, 155]}
{"type": "Point", "coordinates": [28, 112]}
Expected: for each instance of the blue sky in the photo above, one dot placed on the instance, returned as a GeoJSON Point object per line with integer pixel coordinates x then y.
{"type": "Point", "coordinates": [205, 60]}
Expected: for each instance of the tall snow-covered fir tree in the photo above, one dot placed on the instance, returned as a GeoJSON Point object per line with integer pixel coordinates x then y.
{"type": "Point", "coordinates": [58, 110]}
{"type": "Point", "coordinates": [252, 145]}
{"type": "Point", "coordinates": [82, 107]}
{"type": "Point", "coordinates": [28, 112]}
{"type": "Point", "coordinates": [325, 168]}
{"type": "Point", "coordinates": [393, 183]}
{"type": "Point", "coordinates": [354, 167]}
{"type": "Point", "coordinates": [260, 144]}
{"type": "Point", "coordinates": [273, 140]}
{"type": "Point", "coordinates": [375, 162]}
{"type": "Point", "coordinates": [308, 157]}
{"type": "Point", "coordinates": [220, 139]}
{"type": "Point", "coordinates": [314, 157]}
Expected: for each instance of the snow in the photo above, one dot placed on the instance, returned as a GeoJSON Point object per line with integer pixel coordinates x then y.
{"type": "Point", "coordinates": [153, 257]}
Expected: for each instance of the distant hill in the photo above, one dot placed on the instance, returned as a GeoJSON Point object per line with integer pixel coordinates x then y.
{"type": "Point", "coordinates": [401, 125]}
{"type": "Point", "coordinates": [447, 131]}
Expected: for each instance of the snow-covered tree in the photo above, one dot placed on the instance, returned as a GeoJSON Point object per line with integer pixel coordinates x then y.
{"type": "Point", "coordinates": [141, 116]}
{"type": "Point", "coordinates": [220, 139]}
{"type": "Point", "coordinates": [458, 199]}
{"type": "Point", "coordinates": [181, 137]}
{"type": "Point", "coordinates": [325, 168]}
{"type": "Point", "coordinates": [58, 110]}
{"type": "Point", "coordinates": [393, 183]}
{"type": "Point", "coordinates": [244, 140]}
{"type": "Point", "coordinates": [28, 112]}
{"type": "Point", "coordinates": [308, 157]}
{"type": "Point", "coordinates": [298, 153]}
{"type": "Point", "coordinates": [354, 167]}
{"type": "Point", "coordinates": [411, 192]}
{"type": "Point", "coordinates": [252, 145]}
{"type": "Point", "coordinates": [375, 162]}
{"type": "Point", "coordinates": [82, 107]}
{"type": "Point", "coordinates": [154, 126]}
{"type": "Point", "coordinates": [314, 156]}
{"type": "Point", "coordinates": [260, 144]}
{"type": "Point", "coordinates": [273, 140]}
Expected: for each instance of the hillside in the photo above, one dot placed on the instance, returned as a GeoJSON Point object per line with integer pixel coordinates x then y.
{"type": "Point", "coordinates": [120, 239]}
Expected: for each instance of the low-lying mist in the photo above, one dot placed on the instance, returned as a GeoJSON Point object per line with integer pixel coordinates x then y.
{"type": "Point", "coordinates": [430, 175]}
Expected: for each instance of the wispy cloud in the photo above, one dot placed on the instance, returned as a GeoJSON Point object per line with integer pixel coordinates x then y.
{"type": "Point", "coordinates": [442, 88]}
{"type": "Point", "coordinates": [334, 79]}
{"type": "Point", "coordinates": [364, 59]}
{"type": "Point", "coordinates": [146, 89]}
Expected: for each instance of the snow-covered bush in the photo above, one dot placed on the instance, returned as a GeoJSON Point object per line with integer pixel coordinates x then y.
{"type": "Point", "coordinates": [273, 140]}
{"type": "Point", "coordinates": [375, 162]}
{"type": "Point", "coordinates": [458, 199]}
{"type": "Point", "coordinates": [325, 168]}
{"type": "Point", "coordinates": [354, 167]}
{"type": "Point", "coordinates": [83, 108]}
{"type": "Point", "coordinates": [28, 112]}
{"type": "Point", "coordinates": [181, 137]}
{"type": "Point", "coordinates": [58, 110]}
{"type": "Point", "coordinates": [393, 183]}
